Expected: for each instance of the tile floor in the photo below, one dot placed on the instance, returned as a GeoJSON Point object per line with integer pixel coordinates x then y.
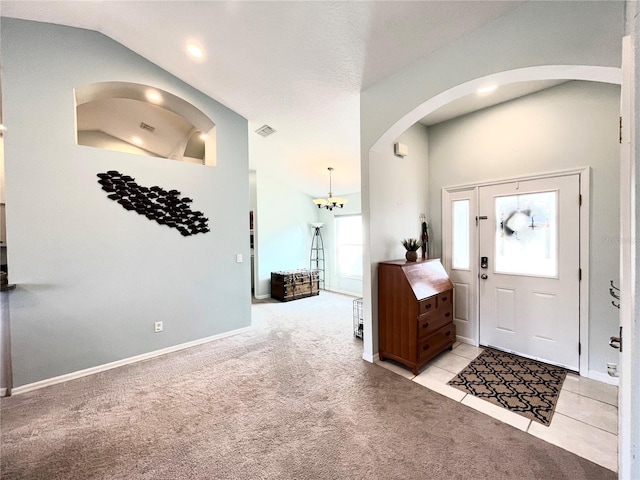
{"type": "Point", "coordinates": [585, 421]}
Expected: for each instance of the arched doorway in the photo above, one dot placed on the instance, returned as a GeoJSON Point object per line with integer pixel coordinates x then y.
{"type": "Point", "coordinates": [384, 144]}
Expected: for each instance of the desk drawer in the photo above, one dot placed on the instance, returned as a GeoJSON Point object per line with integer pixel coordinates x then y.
{"type": "Point", "coordinates": [445, 299]}
{"type": "Point", "coordinates": [432, 321]}
{"type": "Point", "coordinates": [436, 343]}
{"type": "Point", "coordinates": [427, 305]}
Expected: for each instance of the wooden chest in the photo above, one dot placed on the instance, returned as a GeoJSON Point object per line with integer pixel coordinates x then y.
{"type": "Point", "coordinates": [415, 312]}
{"type": "Point", "coordinates": [294, 284]}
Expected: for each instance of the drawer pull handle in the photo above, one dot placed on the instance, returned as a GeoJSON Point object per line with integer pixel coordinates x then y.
{"type": "Point", "coordinates": [447, 314]}
{"type": "Point", "coordinates": [444, 299]}
{"type": "Point", "coordinates": [426, 347]}
{"type": "Point", "coordinates": [428, 305]}
{"type": "Point", "coordinates": [448, 333]}
{"type": "Point", "coordinates": [425, 325]}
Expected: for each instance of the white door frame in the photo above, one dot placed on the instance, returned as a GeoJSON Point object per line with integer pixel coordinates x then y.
{"type": "Point", "coordinates": [628, 397]}
{"type": "Point", "coordinates": [585, 215]}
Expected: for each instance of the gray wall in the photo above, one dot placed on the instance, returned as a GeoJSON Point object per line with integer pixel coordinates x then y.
{"type": "Point", "coordinates": [405, 194]}
{"type": "Point", "coordinates": [571, 125]}
{"type": "Point", "coordinates": [283, 230]}
{"type": "Point", "coordinates": [93, 278]}
{"type": "Point", "coordinates": [398, 195]}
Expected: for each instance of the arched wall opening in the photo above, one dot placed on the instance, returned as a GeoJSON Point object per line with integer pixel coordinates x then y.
{"type": "Point", "coordinates": [548, 72]}
{"type": "Point", "coordinates": [374, 212]}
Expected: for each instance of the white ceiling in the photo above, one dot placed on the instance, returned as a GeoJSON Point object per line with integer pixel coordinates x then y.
{"type": "Point", "coordinates": [296, 66]}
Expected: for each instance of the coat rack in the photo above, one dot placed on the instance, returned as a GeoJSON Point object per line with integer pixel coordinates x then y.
{"type": "Point", "coordinates": [615, 293]}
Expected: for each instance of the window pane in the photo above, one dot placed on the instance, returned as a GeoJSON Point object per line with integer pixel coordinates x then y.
{"type": "Point", "coordinates": [349, 230]}
{"type": "Point", "coordinates": [460, 256]}
{"type": "Point", "coordinates": [526, 234]}
{"type": "Point", "coordinates": [349, 245]}
{"type": "Point", "coordinates": [350, 261]}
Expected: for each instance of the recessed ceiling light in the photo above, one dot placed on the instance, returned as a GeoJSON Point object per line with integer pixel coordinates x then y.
{"type": "Point", "coordinates": [195, 50]}
{"type": "Point", "coordinates": [137, 140]}
{"type": "Point", "coordinates": [153, 96]}
{"type": "Point", "coordinates": [487, 90]}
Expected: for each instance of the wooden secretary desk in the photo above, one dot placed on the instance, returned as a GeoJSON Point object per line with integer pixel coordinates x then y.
{"type": "Point", "coordinates": [415, 311]}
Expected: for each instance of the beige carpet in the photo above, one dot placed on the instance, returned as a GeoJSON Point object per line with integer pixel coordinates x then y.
{"type": "Point", "coordinates": [292, 399]}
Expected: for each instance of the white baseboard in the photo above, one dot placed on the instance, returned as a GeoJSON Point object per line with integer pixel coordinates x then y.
{"type": "Point", "coordinates": [344, 292]}
{"type": "Point", "coordinates": [370, 358]}
{"type": "Point", "coordinates": [119, 363]}
{"type": "Point", "coordinates": [603, 377]}
{"type": "Point", "coordinates": [3, 392]}
{"type": "Point", "coordinates": [466, 340]}
{"type": "Point", "coordinates": [333, 290]}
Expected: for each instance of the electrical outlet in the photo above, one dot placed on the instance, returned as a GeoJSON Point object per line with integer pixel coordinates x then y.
{"type": "Point", "coordinates": [158, 327]}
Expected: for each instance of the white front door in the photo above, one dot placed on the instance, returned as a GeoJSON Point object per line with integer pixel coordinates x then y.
{"type": "Point", "coordinates": [529, 248]}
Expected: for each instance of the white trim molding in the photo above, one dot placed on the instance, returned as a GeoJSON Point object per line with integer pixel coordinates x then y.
{"type": "Point", "coordinates": [371, 358]}
{"type": "Point", "coordinates": [604, 378]}
{"type": "Point", "coordinates": [120, 363]}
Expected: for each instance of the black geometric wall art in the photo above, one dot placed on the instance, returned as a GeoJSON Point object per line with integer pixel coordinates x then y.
{"type": "Point", "coordinates": [157, 204]}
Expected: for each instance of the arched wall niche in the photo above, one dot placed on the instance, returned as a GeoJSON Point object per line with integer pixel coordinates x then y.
{"type": "Point", "coordinates": [143, 120]}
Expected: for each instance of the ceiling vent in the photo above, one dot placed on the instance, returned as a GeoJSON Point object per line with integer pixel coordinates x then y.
{"type": "Point", "coordinates": [146, 127]}
{"type": "Point", "coordinates": [265, 131]}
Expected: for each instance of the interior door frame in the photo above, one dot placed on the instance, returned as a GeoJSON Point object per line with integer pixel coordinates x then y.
{"type": "Point", "coordinates": [628, 397]}
{"type": "Point", "coordinates": [584, 175]}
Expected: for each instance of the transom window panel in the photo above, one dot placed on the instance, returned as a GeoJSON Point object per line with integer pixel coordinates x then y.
{"type": "Point", "coordinates": [527, 234]}
{"type": "Point", "coordinates": [461, 245]}
{"type": "Point", "coordinates": [348, 230]}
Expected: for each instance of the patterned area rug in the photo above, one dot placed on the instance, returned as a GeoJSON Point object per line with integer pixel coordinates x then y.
{"type": "Point", "coordinates": [523, 386]}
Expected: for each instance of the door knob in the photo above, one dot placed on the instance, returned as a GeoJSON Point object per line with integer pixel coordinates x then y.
{"type": "Point", "coordinates": [614, 342]}
{"type": "Point", "coordinates": [484, 276]}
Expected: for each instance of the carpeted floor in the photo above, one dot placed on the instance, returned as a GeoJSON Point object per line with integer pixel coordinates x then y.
{"type": "Point", "coordinates": [524, 386]}
{"type": "Point", "coordinates": [290, 399]}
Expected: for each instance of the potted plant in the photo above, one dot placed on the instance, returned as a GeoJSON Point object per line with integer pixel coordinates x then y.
{"type": "Point", "coordinates": [412, 245]}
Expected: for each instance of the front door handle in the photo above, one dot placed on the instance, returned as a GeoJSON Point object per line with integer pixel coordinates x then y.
{"type": "Point", "coordinates": [484, 276]}
{"type": "Point", "coordinates": [614, 342]}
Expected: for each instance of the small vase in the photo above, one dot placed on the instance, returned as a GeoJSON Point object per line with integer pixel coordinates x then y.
{"type": "Point", "coordinates": [411, 255]}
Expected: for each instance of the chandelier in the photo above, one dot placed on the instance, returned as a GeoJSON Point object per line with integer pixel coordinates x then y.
{"type": "Point", "coordinates": [331, 202]}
